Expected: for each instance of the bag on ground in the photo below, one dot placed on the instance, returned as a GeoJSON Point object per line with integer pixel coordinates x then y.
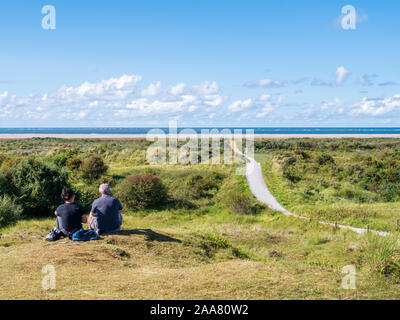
{"type": "Point", "coordinates": [85, 235]}
{"type": "Point", "coordinates": [54, 235]}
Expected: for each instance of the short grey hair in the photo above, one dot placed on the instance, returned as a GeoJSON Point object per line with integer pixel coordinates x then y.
{"type": "Point", "coordinates": [105, 189]}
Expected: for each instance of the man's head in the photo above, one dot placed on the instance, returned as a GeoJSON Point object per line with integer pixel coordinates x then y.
{"type": "Point", "coordinates": [104, 189]}
{"type": "Point", "coordinates": [67, 195]}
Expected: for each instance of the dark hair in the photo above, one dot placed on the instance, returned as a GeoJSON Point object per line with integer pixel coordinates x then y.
{"type": "Point", "coordinates": [67, 194]}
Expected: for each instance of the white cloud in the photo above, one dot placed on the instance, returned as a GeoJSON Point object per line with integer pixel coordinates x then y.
{"type": "Point", "coordinates": [265, 97]}
{"type": "Point", "coordinates": [152, 90]}
{"type": "Point", "coordinates": [240, 105]}
{"type": "Point", "coordinates": [342, 74]}
{"type": "Point", "coordinates": [178, 89]}
{"type": "Point", "coordinates": [122, 96]}
{"type": "Point", "coordinates": [3, 98]}
{"type": "Point", "coordinates": [111, 89]}
{"type": "Point", "coordinates": [268, 108]}
{"type": "Point", "coordinates": [377, 107]}
{"type": "Point", "coordinates": [206, 88]}
{"type": "Point", "coordinates": [213, 100]}
{"type": "Point", "coordinates": [336, 103]}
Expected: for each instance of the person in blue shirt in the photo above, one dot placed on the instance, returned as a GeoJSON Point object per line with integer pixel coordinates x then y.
{"type": "Point", "coordinates": [106, 213]}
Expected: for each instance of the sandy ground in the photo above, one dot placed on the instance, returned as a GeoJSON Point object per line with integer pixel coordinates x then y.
{"type": "Point", "coordinates": [152, 136]}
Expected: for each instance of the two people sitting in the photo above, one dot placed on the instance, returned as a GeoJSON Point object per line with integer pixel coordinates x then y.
{"type": "Point", "coordinates": [105, 215]}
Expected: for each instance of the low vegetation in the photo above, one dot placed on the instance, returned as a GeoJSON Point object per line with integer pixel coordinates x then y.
{"type": "Point", "coordinates": [143, 191]}
{"type": "Point", "coordinates": [196, 231]}
{"type": "Point", "coordinates": [351, 181]}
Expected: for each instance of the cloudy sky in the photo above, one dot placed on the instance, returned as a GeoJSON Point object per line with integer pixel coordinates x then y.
{"type": "Point", "coordinates": [201, 62]}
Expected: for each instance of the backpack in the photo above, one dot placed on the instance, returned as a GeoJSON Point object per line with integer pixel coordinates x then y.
{"type": "Point", "coordinates": [85, 235]}
{"type": "Point", "coordinates": [54, 235]}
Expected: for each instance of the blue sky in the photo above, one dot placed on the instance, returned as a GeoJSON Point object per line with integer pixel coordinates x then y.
{"type": "Point", "coordinates": [201, 62]}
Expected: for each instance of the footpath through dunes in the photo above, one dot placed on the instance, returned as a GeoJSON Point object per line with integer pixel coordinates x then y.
{"type": "Point", "coordinates": [260, 191]}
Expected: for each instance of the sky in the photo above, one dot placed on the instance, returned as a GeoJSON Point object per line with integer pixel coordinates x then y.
{"type": "Point", "coordinates": [204, 63]}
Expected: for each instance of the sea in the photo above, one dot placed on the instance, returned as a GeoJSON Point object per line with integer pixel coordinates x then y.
{"type": "Point", "coordinates": [257, 130]}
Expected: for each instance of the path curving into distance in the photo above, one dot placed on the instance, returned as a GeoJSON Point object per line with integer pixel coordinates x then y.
{"type": "Point", "coordinates": [260, 191]}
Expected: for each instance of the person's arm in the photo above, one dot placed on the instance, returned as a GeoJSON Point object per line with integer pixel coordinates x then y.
{"type": "Point", "coordinates": [93, 211]}
{"type": "Point", "coordinates": [56, 213]}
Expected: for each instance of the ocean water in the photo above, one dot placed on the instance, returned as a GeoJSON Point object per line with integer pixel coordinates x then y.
{"type": "Point", "coordinates": [257, 130]}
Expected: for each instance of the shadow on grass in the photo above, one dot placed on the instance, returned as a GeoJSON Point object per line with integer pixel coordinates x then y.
{"type": "Point", "coordinates": [149, 234]}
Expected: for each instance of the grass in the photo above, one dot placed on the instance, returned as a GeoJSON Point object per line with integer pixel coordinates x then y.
{"type": "Point", "coordinates": [313, 198]}
{"type": "Point", "coordinates": [204, 251]}
{"type": "Point", "coordinates": [160, 255]}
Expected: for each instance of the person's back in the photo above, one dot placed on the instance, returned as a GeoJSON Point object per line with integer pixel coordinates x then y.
{"type": "Point", "coordinates": [107, 210]}
{"type": "Point", "coordinates": [70, 215]}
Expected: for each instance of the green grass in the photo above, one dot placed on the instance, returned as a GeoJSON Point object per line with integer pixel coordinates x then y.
{"type": "Point", "coordinates": [204, 251]}
{"type": "Point", "coordinates": [160, 255]}
{"type": "Point", "coordinates": [320, 195]}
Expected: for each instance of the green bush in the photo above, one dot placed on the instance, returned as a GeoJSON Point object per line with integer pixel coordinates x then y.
{"type": "Point", "coordinates": [38, 186]}
{"type": "Point", "coordinates": [204, 185]}
{"type": "Point", "coordinates": [2, 183]}
{"type": "Point", "coordinates": [60, 159]}
{"type": "Point", "coordinates": [9, 211]}
{"type": "Point", "coordinates": [142, 191]}
{"type": "Point", "coordinates": [85, 197]}
{"type": "Point", "coordinates": [93, 168]}
{"type": "Point", "coordinates": [239, 203]}
{"type": "Point", "coordinates": [390, 192]}
{"type": "Point", "coordinates": [290, 173]}
{"type": "Point", "coordinates": [74, 164]}
{"type": "Point", "coordinates": [324, 158]}
{"type": "Point", "coordinates": [6, 185]}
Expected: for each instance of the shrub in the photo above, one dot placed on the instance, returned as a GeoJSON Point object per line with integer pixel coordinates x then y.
{"type": "Point", "coordinates": [74, 164]}
{"type": "Point", "coordinates": [204, 186]}
{"type": "Point", "coordinates": [324, 158]}
{"type": "Point", "coordinates": [9, 211]}
{"type": "Point", "coordinates": [85, 197]}
{"type": "Point", "coordinates": [6, 185]}
{"type": "Point", "coordinates": [38, 186]}
{"type": "Point", "coordinates": [217, 241]}
{"type": "Point", "coordinates": [390, 192]}
{"type": "Point", "coordinates": [290, 173]}
{"type": "Point", "coordinates": [142, 191]}
{"type": "Point", "coordinates": [93, 168]}
{"type": "Point", "coordinates": [60, 159]}
{"type": "Point", "coordinates": [239, 203]}
{"type": "Point", "coordinates": [2, 183]}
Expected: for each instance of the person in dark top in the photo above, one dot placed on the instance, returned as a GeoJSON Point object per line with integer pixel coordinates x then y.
{"type": "Point", "coordinates": [70, 215]}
